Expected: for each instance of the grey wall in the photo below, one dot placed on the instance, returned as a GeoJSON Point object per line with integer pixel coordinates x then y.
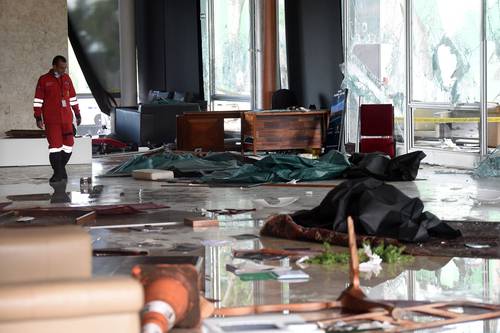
{"type": "Point", "coordinates": [314, 49]}
{"type": "Point", "coordinates": [31, 34]}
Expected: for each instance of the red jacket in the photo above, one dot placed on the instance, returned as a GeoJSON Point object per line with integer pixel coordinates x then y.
{"type": "Point", "coordinates": [54, 99]}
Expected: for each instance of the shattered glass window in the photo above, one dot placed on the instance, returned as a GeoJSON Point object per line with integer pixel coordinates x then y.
{"type": "Point", "coordinates": [374, 68]}
{"type": "Point", "coordinates": [446, 69]}
{"type": "Point", "coordinates": [446, 50]}
{"type": "Point", "coordinates": [493, 72]}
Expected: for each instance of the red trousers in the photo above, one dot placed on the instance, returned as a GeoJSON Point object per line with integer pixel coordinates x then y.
{"type": "Point", "coordinates": [60, 137]}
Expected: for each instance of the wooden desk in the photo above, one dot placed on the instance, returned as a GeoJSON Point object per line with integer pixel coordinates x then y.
{"type": "Point", "coordinates": [203, 130]}
{"type": "Point", "coordinates": [283, 130]}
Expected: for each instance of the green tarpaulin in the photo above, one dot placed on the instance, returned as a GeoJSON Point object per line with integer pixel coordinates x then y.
{"type": "Point", "coordinates": [230, 168]}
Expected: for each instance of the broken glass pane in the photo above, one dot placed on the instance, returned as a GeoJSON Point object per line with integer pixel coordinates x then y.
{"type": "Point", "coordinates": [490, 166]}
{"type": "Point", "coordinates": [374, 68]}
{"type": "Point", "coordinates": [446, 51]}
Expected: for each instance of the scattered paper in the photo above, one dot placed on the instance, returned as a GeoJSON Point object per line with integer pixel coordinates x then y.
{"type": "Point", "coordinates": [25, 219]}
{"type": "Point", "coordinates": [274, 203]}
{"type": "Point", "coordinates": [216, 242]}
{"type": "Point", "coordinates": [250, 267]}
{"type": "Point", "coordinates": [372, 266]}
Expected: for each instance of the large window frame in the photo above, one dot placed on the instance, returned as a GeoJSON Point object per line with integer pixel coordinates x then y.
{"type": "Point", "coordinates": [253, 100]}
{"type": "Point", "coordinates": [464, 159]}
{"type": "Point", "coordinates": [208, 14]}
{"type": "Point", "coordinates": [435, 155]}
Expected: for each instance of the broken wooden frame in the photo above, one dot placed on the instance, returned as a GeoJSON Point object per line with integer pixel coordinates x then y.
{"type": "Point", "coordinates": [85, 215]}
{"type": "Point", "coordinates": [353, 307]}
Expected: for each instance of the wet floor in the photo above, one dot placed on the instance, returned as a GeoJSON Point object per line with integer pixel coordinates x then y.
{"type": "Point", "coordinates": [449, 194]}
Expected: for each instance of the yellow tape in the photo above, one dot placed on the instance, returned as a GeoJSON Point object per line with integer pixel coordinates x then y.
{"type": "Point", "coordinates": [449, 120]}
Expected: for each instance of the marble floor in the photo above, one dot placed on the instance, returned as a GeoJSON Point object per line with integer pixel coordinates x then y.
{"type": "Point", "coordinates": [448, 193]}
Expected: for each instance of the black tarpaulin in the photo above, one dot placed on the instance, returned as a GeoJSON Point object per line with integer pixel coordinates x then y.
{"type": "Point", "coordinates": [378, 209]}
{"type": "Point", "coordinates": [401, 168]}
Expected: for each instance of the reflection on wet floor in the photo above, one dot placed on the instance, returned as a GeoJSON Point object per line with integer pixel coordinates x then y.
{"type": "Point", "coordinates": [451, 196]}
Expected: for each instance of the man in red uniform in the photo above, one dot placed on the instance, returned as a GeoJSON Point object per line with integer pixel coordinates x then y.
{"type": "Point", "coordinates": [54, 98]}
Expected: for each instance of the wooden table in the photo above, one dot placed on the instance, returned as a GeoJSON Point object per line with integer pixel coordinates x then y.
{"type": "Point", "coordinates": [283, 130]}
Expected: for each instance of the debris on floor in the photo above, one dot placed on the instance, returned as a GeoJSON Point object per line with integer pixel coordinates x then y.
{"type": "Point", "coordinates": [215, 242]}
{"type": "Point", "coordinates": [119, 252]}
{"type": "Point", "coordinates": [25, 219]}
{"type": "Point", "coordinates": [186, 247]}
{"type": "Point", "coordinates": [152, 174]}
{"type": "Point", "coordinates": [25, 133]}
{"type": "Point", "coordinates": [251, 271]}
{"type": "Point", "coordinates": [272, 254]}
{"type": "Point", "coordinates": [353, 309]}
{"type": "Point", "coordinates": [490, 166]}
{"type": "Point", "coordinates": [283, 226]}
{"type": "Point", "coordinates": [230, 211]}
{"type": "Point", "coordinates": [200, 222]}
{"type": "Point", "coordinates": [274, 203]}
{"type": "Point", "coordinates": [4, 204]}
{"type": "Point", "coordinates": [118, 209]}
{"type": "Point", "coordinates": [29, 197]}
{"type": "Point", "coordinates": [245, 237]}
{"type": "Point", "coordinates": [369, 258]}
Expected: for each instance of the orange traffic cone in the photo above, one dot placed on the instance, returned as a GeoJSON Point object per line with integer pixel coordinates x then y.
{"type": "Point", "coordinates": [171, 297]}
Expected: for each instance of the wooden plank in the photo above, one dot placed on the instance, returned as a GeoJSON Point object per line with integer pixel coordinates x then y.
{"type": "Point", "coordinates": [86, 218]}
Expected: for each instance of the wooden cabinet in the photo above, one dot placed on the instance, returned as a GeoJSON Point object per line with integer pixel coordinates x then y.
{"type": "Point", "coordinates": [280, 130]}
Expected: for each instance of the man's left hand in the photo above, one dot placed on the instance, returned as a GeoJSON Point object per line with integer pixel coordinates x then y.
{"type": "Point", "coordinates": [78, 121]}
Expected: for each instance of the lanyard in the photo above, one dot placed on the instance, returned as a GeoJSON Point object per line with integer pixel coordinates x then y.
{"type": "Point", "coordinates": [61, 84]}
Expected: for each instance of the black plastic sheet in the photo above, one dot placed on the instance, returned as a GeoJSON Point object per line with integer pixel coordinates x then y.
{"type": "Point", "coordinates": [400, 168]}
{"type": "Point", "coordinates": [378, 209]}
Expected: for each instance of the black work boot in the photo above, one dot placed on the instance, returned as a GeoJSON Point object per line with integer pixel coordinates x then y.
{"type": "Point", "coordinates": [55, 162]}
{"type": "Point", "coordinates": [64, 160]}
{"type": "Point", "coordinates": [59, 195]}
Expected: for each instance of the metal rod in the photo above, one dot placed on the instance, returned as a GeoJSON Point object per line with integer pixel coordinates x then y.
{"type": "Point", "coordinates": [345, 35]}
{"type": "Point", "coordinates": [444, 106]}
{"type": "Point", "coordinates": [407, 130]}
{"type": "Point", "coordinates": [211, 52]}
{"type": "Point", "coordinates": [409, 82]}
{"type": "Point", "coordinates": [483, 123]}
{"type": "Point", "coordinates": [255, 47]}
{"type": "Point", "coordinates": [268, 52]}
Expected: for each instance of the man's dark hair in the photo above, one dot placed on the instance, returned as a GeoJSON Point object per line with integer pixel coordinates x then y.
{"type": "Point", "coordinates": [57, 59]}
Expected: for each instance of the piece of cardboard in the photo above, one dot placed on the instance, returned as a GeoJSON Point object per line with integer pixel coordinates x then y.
{"type": "Point", "coordinates": [200, 222]}
{"type": "Point", "coordinates": [152, 174]}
